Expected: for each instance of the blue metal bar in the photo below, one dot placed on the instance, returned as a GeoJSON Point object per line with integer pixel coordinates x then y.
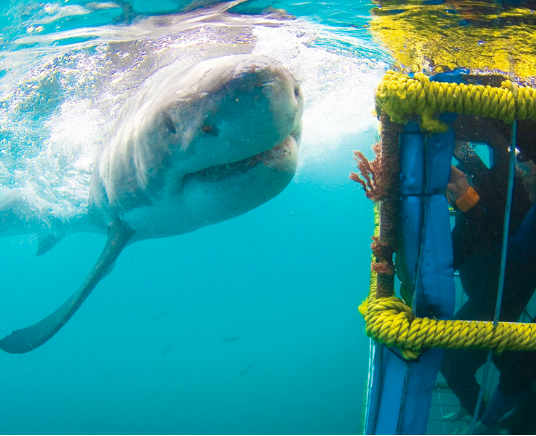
{"type": "Point", "coordinates": [498, 304]}
{"type": "Point", "coordinates": [506, 227]}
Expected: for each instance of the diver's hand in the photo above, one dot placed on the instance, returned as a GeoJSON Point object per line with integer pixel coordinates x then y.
{"type": "Point", "coordinates": [458, 185]}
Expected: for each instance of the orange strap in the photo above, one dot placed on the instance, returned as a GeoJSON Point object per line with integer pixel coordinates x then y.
{"type": "Point", "coordinates": [467, 200]}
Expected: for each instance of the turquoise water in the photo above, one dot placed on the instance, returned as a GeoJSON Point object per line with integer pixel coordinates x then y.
{"type": "Point", "coordinates": [247, 326]}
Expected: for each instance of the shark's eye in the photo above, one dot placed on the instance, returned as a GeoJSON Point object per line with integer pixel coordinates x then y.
{"type": "Point", "coordinates": [168, 122]}
{"type": "Point", "coordinates": [210, 130]}
{"type": "Point", "coordinates": [296, 91]}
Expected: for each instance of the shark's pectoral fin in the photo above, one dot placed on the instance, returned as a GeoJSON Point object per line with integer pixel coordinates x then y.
{"type": "Point", "coordinates": [46, 242]}
{"type": "Point", "coordinates": [29, 338]}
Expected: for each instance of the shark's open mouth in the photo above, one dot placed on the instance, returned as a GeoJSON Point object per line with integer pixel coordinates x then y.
{"type": "Point", "coordinates": [224, 171]}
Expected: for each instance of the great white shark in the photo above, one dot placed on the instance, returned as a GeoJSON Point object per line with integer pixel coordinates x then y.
{"type": "Point", "coordinates": [194, 147]}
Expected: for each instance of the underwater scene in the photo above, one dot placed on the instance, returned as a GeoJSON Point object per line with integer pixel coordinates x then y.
{"type": "Point", "coordinates": [191, 194]}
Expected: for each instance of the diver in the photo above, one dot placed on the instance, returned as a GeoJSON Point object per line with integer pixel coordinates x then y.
{"type": "Point", "coordinates": [476, 238]}
{"type": "Point", "coordinates": [517, 373]}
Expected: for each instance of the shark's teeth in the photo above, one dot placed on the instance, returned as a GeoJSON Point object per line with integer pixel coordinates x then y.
{"type": "Point", "coordinates": [219, 172]}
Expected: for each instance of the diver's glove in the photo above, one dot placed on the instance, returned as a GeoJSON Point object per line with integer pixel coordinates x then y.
{"type": "Point", "coordinates": [468, 200]}
{"type": "Point", "coordinates": [459, 192]}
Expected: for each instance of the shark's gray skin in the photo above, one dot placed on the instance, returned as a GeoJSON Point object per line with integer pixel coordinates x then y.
{"type": "Point", "coordinates": [195, 147]}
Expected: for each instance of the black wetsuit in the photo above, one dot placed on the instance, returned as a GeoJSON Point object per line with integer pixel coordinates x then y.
{"type": "Point", "coordinates": [475, 239]}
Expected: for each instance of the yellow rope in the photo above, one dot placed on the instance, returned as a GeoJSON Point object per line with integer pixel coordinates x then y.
{"type": "Point", "coordinates": [402, 97]}
{"type": "Point", "coordinates": [390, 322]}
